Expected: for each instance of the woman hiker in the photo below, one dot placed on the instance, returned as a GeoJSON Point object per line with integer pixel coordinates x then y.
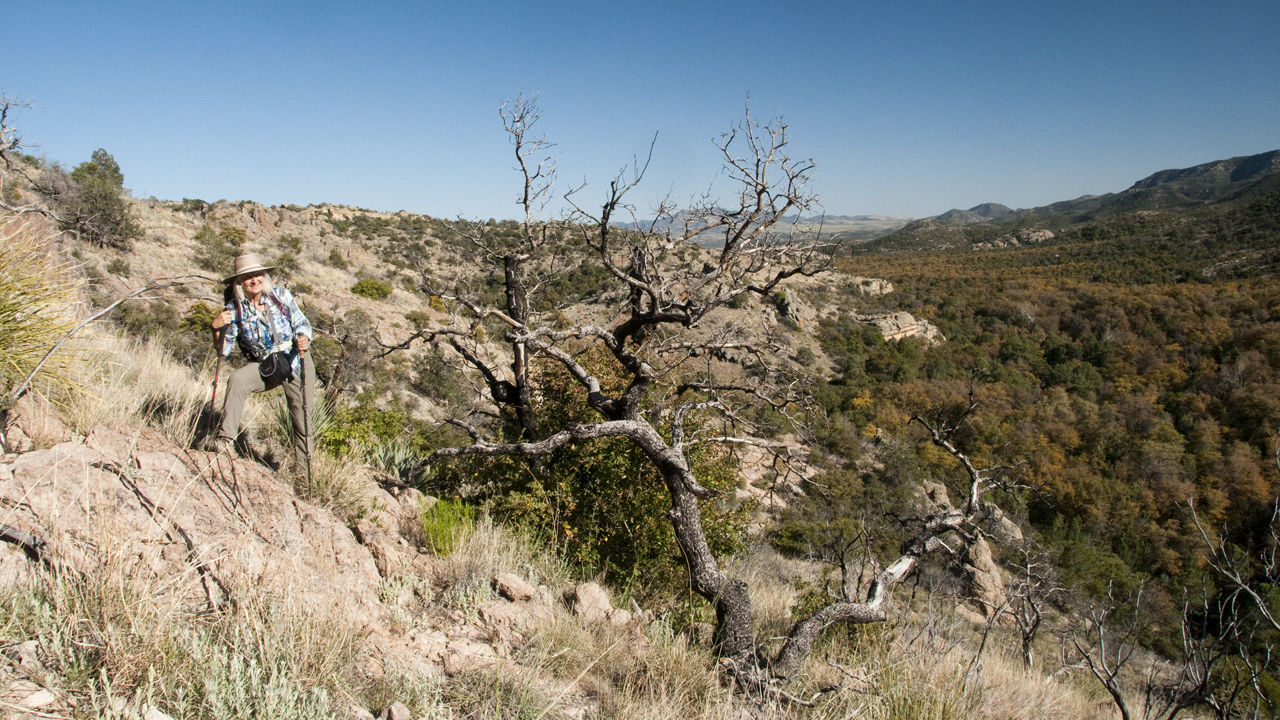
{"type": "Point", "coordinates": [267, 324]}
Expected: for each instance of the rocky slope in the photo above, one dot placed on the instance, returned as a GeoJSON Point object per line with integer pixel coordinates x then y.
{"type": "Point", "coordinates": [213, 534]}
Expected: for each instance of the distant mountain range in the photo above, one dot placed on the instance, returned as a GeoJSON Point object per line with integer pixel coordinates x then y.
{"type": "Point", "coordinates": [1217, 219]}
{"type": "Point", "coordinates": [1201, 185]}
{"type": "Point", "coordinates": [839, 227]}
{"type": "Point", "coordinates": [996, 225]}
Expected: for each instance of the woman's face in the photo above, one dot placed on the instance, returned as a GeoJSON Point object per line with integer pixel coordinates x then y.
{"type": "Point", "coordinates": [253, 284]}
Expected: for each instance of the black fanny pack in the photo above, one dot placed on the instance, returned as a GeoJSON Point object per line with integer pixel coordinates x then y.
{"type": "Point", "coordinates": [275, 368]}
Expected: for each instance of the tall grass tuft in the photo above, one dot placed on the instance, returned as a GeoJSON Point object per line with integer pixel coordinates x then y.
{"type": "Point", "coordinates": [131, 383]}
{"type": "Point", "coordinates": [446, 524]}
{"type": "Point", "coordinates": [37, 293]}
{"type": "Point", "coordinates": [341, 485]}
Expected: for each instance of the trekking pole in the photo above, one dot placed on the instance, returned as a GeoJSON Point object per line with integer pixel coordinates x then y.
{"type": "Point", "coordinates": [217, 368]}
{"type": "Point", "coordinates": [306, 421]}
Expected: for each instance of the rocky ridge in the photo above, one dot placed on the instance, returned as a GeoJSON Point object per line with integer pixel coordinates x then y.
{"type": "Point", "coordinates": [210, 533]}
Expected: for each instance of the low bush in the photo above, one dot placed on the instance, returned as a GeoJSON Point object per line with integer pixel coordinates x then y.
{"type": "Point", "coordinates": [216, 250]}
{"type": "Point", "coordinates": [372, 289]}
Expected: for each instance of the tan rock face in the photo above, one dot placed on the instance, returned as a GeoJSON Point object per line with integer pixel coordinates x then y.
{"type": "Point", "coordinates": [34, 423]}
{"type": "Point", "coordinates": [531, 616]}
{"type": "Point", "coordinates": [199, 526]}
{"type": "Point", "coordinates": [896, 326]}
{"type": "Point", "coordinates": [986, 583]}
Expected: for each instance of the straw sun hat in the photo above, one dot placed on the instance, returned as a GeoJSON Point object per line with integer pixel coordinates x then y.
{"type": "Point", "coordinates": [246, 264]}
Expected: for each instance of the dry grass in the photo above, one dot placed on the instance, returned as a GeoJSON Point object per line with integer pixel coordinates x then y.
{"type": "Point", "coordinates": [37, 297]}
{"type": "Point", "coordinates": [503, 549]}
{"type": "Point", "coordinates": [340, 485]}
{"type": "Point", "coordinates": [131, 383]}
{"type": "Point", "coordinates": [115, 640]}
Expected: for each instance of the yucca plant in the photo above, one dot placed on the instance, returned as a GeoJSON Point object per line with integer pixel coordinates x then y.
{"type": "Point", "coordinates": [37, 291]}
{"type": "Point", "coordinates": [322, 417]}
{"type": "Point", "coordinates": [397, 460]}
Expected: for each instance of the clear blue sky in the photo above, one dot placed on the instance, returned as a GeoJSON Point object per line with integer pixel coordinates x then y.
{"type": "Point", "coordinates": [908, 108]}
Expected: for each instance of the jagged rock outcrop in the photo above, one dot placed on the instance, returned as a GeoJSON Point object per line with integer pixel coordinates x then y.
{"type": "Point", "coordinates": [513, 587]}
{"type": "Point", "coordinates": [870, 287]}
{"type": "Point", "coordinates": [202, 531]}
{"type": "Point", "coordinates": [797, 310]}
{"type": "Point", "coordinates": [1025, 236]}
{"type": "Point", "coordinates": [35, 423]}
{"type": "Point", "coordinates": [896, 326]}
{"type": "Point", "coordinates": [986, 583]}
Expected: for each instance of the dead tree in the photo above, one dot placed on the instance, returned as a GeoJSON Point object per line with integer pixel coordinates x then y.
{"type": "Point", "coordinates": [1214, 667]}
{"type": "Point", "coordinates": [690, 376]}
{"type": "Point", "coordinates": [10, 137]}
{"type": "Point", "coordinates": [1030, 592]}
{"type": "Point", "coordinates": [11, 147]}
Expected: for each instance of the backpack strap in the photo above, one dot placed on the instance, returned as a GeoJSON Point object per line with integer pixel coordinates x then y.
{"type": "Point", "coordinates": [284, 309]}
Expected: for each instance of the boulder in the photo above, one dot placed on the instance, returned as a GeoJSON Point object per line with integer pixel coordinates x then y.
{"type": "Point", "coordinates": [513, 588]}
{"type": "Point", "coordinates": [389, 557]}
{"type": "Point", "coordinates": [33, 423]}
{"type": "Point", "coordinates": [463, 655]}
{"type": "Point", "coordinates": [589, 601]}
{"type": "Point", "coordinates": [396, 711]}
{"type": "Point", "coordinates": [197, 526]}
{"type": "Point", "coordinates": [500, 613]}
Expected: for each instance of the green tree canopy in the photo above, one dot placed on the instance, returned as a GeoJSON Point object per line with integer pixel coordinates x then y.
{"type": "Point", "coordinates": [101, 167]}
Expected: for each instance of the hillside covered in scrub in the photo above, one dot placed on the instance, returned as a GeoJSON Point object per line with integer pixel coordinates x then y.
{"type": "Point", "coordinates": [966, 478]}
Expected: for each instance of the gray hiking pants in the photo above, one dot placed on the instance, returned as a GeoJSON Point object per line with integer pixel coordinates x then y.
{"type": "Point", "coordinates": [246, 381]}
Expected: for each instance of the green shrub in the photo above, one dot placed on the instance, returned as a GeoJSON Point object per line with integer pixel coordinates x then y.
{"type": "Point", "coordinates": [336, 259]}
{"type": "Point", "coordinates": [372, 289]}
{"type": "Point", "coordinates": [286, 266]}
{"type": "Point", "coordinates": [118, 266]}
{"type": "Point", "coordinates": [326, 353]}
{"type": "Point", "coordinates": [291, 242]}
{"type": "Point", "coordinates": [361, 426]}
{"type": "Point", "coordinates": [215, 251]}
{"type": "Point", "coordinates": [446, 524]}
{"type": "Point", "coordinates": [101, 166]}
{"type": "Point", "coordinates": [98, 212]}
{"type": "Point", "coordinates": [232, 235]}
{"type": "Point", "coordinates": [192, 205]}
{"type": "Point", "coordinates": [602, 503]}
{"type": "Point", "coordinates": [199, 318]}
{"type": "Point", "coordinates": [93, 204]}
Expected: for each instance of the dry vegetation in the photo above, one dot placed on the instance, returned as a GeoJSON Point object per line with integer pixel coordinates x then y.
{"type": "Point", "coordinates": [110, 644]}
